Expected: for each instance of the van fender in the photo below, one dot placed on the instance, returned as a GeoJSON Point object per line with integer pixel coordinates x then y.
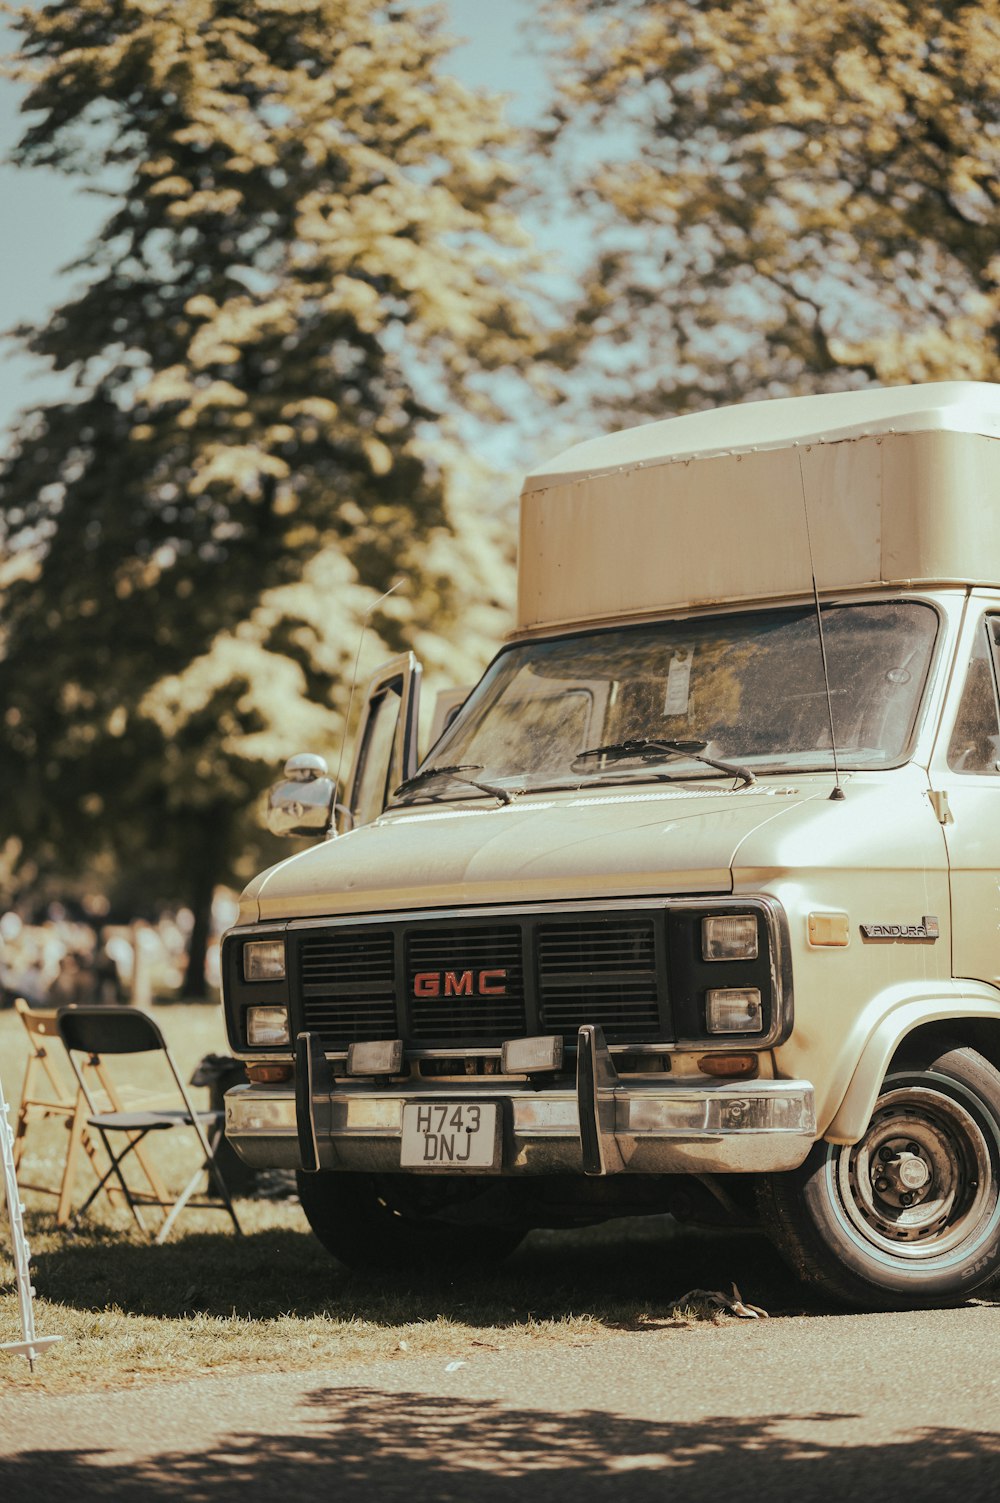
{"type": "Point", "coordinates": [956, 1001]}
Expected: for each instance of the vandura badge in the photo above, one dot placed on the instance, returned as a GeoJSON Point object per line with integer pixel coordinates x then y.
{"type": "Point", "coordinates": [460, 984]}
{"type": "Point", "coordinates": [928, 928]}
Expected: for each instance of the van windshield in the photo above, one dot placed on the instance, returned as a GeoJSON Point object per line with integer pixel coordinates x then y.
{"type": "Point", "coordinates": [746, 689]}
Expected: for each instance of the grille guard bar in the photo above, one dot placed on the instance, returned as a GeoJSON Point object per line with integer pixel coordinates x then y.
{"type": "Point", "coordinates": [596, 1079]}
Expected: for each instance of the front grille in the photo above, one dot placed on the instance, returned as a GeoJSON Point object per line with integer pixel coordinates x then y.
{"type": "Point", "coordinates": [595, 971]}
{"type": "Point", "coordinates": [348, 985]}
{"type": "Point", "coordinates": [477, 982]}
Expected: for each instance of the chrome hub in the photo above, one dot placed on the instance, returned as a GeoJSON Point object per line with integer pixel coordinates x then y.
{"type": "Point", "coordinates": [899, 1174]}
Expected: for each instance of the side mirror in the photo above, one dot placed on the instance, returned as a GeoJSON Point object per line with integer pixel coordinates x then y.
{"type": "Point", "coordinates": [303, 803]}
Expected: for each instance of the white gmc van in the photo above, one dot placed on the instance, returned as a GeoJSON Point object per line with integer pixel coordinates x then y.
{"type": "Point", "coordinates": [695, 904]}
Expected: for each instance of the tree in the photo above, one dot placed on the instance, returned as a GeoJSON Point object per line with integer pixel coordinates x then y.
{"type": "Point", "coordinates": [801, 197]}
{"type": "Point", "coordinates": [308, 263]}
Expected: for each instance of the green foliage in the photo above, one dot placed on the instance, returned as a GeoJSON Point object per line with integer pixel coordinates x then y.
{"type": "Point", "coordinates": [309, 257]}
{"type": "Point", "coordinates": [808, 198]}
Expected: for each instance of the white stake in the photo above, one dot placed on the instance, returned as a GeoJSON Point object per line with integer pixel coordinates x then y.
{"type": "Point", "coordinates": [32, 1346]}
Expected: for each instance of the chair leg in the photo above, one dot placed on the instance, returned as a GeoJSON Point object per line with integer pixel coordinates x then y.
{"type": "Point", "coordinates": [114, 1169]}
{"type": "Point", "coordinates": [21, 1121]}
{"type": "Point", "coordinates": [76, 1134]}
{"type": "Point", "coordinates": [20, 1128]}
{"type": "Point", "coordinates": [179, 1205]}
{"type": "Point", "coordinates": [80, 1138]}
{"type": "Point", "coordinates": [213, 1173]}
{"type": "Point", "coordinates": [90, 1149]}
{"type": "Point", "coordinates": [152, 1178]}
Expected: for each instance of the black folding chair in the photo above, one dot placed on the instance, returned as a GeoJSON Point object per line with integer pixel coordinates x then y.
{"type": "Point", "coordinates": [101, 1031]}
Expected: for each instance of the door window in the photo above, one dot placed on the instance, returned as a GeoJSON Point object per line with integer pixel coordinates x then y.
{"type": "Point", "coordinates": [387, 738]}
{"type": "Point", "coordinates": [975, 740]}
{"type": "Point", "coordinates": [378, 770]}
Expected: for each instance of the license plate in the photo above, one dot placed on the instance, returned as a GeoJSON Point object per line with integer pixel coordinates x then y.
{"type": "Point", "coordinates": [451, 1135]}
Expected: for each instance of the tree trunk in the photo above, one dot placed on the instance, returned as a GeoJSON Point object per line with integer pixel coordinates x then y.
{"type": "Point", "coordinates": [195, 983]}
{"type": "Point", "coordinates": [207, 856]}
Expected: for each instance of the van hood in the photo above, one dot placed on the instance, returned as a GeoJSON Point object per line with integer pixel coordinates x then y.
{"type": "Point", "coordinates": [540, 848]}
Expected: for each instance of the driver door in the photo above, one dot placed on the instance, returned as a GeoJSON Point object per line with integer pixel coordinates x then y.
{"type": "Point", "coordinates": [386, 747]}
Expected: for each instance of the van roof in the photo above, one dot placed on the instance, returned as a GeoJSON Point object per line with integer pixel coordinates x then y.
{"type": "Point", "coordinates": [785, 422]}
{"type": "Point", "coordinates": [885, 487]}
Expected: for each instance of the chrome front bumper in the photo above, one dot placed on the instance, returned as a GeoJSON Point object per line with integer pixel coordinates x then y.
{"type": "Point", "coordinates": [606, 1125]}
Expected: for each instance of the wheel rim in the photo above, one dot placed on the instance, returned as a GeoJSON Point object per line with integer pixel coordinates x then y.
{"type": "Point", "coordinates": [919, 1184]}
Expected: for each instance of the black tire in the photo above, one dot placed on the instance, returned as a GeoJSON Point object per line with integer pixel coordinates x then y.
{"type": "Point", "coordinates": [908, 1217]}
{"type": "Point", "coordinates": [396, 1223]}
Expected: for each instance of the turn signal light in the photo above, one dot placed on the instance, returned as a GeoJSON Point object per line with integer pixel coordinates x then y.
{"type": "Point", "coordinates": [268, 1074]}
{"type": "Point", "coordinates": [728, 1064]}
{"type": "Point", "coordinates": [831, 929]}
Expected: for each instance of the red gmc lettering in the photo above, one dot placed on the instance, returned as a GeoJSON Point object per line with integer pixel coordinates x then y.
{"type": "Point", "coordinates": [460, 983]}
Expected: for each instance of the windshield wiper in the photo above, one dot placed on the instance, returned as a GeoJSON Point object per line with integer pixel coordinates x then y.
{"type": "Point", "coordinates": [653, 750]}
{"type": "Point", "coordinates": [426, 774]}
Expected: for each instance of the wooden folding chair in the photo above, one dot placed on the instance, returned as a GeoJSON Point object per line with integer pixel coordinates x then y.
{"type": "Point", "coordinates": [47, 1091]}
{"type": "Point", "coordinates": [91, 1034]}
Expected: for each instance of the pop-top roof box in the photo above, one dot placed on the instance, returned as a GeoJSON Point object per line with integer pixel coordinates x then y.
{"type": "Point", "coordinates": [894, 486]}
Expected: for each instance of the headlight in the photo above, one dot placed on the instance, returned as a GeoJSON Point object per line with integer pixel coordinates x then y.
{"type": "Point", "coordinates": [734, 1009]}
{"type": "Point", "coordinates": [267, 1026]}
{"type": "Point", "coordinates": [729, 936]}
{"type": "Point", "coordinates": [264, 960]}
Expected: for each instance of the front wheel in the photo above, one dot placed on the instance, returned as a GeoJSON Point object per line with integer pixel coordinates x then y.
{"type": "Point", "coordinates": [400, 1224]}
{"type": "Point", "coordinates": [910, 1215]}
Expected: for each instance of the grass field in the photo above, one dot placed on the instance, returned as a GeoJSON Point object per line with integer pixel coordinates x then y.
{"type": "Point", "coordinates": [207, 1301]}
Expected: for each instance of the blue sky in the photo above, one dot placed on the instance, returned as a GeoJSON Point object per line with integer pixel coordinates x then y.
{"type": "Point", "coordinates": [48, 222]}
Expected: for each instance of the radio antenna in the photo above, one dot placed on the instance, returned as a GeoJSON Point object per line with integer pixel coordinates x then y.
{"type": "Point", "coordinates": [354, 676]}
{"type": "Point", "coordinates": [838, 792]}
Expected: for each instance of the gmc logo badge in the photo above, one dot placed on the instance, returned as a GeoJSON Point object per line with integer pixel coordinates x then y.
{"type": "Point", "coordinates": [460, 984]}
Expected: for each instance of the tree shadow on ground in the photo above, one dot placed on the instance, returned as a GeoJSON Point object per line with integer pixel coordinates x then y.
{"type": "Point", "coordinates": [623, 1277]}
{"type": "Point", "coordinates": [359, 1444]}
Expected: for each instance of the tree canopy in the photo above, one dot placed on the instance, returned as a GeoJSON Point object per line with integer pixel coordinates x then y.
{"type": "Point", "coordinates": [801, 197]}
{"type": "Point", "coordinates": [309, 259]}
